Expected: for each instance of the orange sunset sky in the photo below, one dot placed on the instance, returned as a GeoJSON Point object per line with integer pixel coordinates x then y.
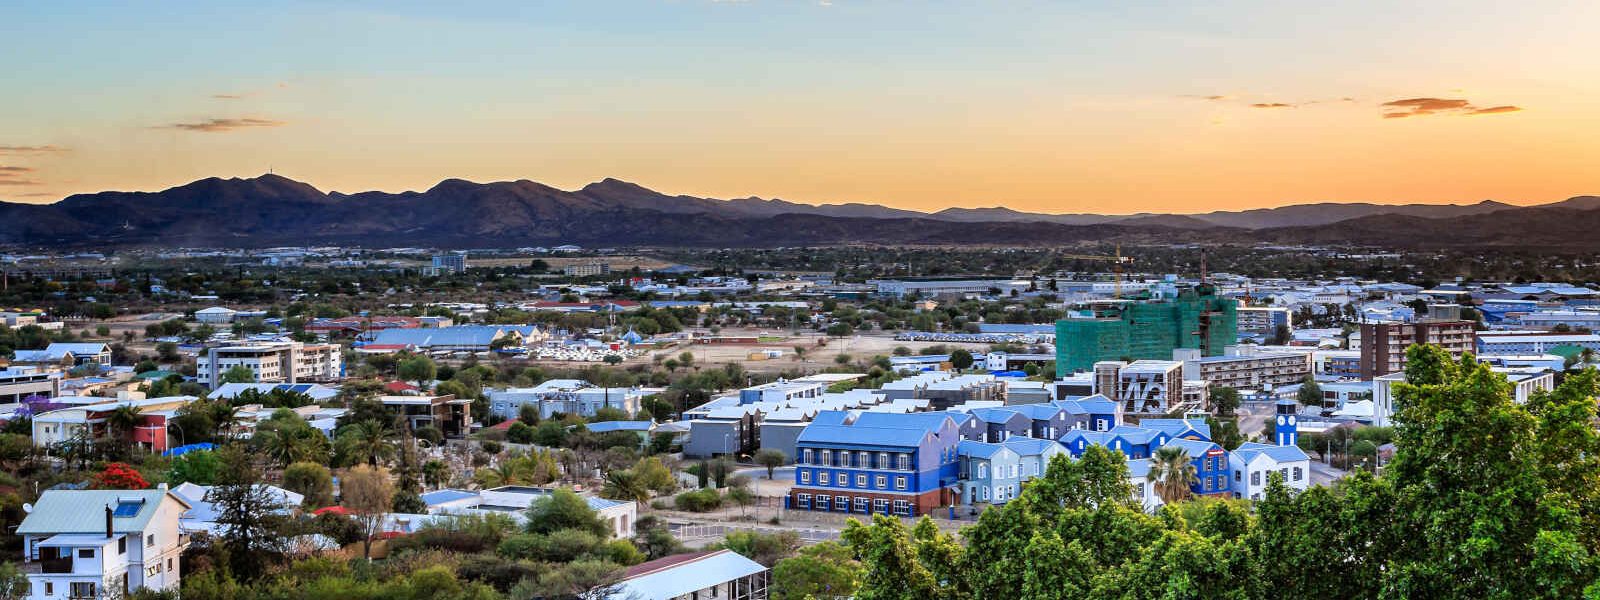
{"type": "Point", "coordinates": [1111, 107]}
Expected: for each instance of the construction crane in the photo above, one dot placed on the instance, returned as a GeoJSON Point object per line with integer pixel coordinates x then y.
{"type": "Point", "coordinates": [1116, 260]}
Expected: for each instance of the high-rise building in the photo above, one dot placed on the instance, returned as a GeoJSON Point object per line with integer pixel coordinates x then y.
{"type": "Point", "coordinates": [1383, 345]}
{"type": "Point", "coordinates": [454, 262]}
{"type": "Point", "coordinates": [1151, 330]}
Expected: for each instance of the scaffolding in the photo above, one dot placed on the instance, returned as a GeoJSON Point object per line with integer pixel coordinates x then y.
{"type": "Point", "coordinates": [1196, 319]}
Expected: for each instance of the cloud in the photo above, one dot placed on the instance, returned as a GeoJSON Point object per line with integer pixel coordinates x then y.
{"type": "Point", "coordinates": [6, 171]}
{"type": "Point", "coordinates": [1271, 105]}
{"type": "Point", "coordinates": [223, 125]}
{"type": "Point", "coordinates": [34, 195]}
{"type": "Point", "coordinates": [12, 175]}
{"type": "Point", "coordinates": [228, 96]}
{"type": "Point", "coordinates": [8, 181]}
{"type": "Point", "coordinates": [20, 150]}
{"type": "Point", "coordinates": [1419, 107]}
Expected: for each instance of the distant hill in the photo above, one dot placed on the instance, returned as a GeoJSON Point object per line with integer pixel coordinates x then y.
{"type": "Point", "coordinates": [274, 210]}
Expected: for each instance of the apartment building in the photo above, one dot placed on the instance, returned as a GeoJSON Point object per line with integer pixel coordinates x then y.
{"type": "Point", "coordinates": [17, 383]}
{"type": "Point", "coordinates": [272, 362]}
{"type": "Point", "coordinates": [1383, 345]}
{"type": "Point", "coordinates": [1244, 369]}
{"type": "Point", "coordinates": [876, 463]}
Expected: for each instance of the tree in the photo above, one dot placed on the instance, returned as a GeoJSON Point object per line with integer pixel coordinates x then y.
{"type": "Point", "coordinates": [771, 458]}
{"type": "Point", "coordinates": [623, 484]}
{"type": "Point", "coordinates": [120, 476]}
{"type": "Point", "coordinates": [961, 359]}
{"type": "Point", "coordinates": [14, 583]}
{"type": "Point", "coordinates": [800, 353]}
{"type": "Point", "coordinates": [238, 374]}
{"type": "Point", "coordinates": [823, 570]}
{"type": "Point", "coordinates": [367, 493]}
{"type": "Point", "coordinates": [550, 434]}
{"type": "Point", "coordinates": [367, 441]}
{"type": "Point", "coordinates": [764, 548]}
{"type": "Point", "coordinates": [247, 514]}
{"type": "Point", "coordinates": [563, 509]}
{"type": "Point", "coordinates": [1309, 394]}
{"type": "Point", "coordinates": [1173, 473]}
{"type": "Point", "coordinates": [435, 473]}
{"type": "Point", "coordinates": [420, 369]}
{"type": "Point", "coordinates": [310, 480]}
{"type": "Point", "coordinates": [519, 433]}
{"type": "Point", "coordinates": [200, 467]}
{"type": "Point", "coordinates": [1225, 401]}
{"type": "Point", "coordinates": [840, 329]}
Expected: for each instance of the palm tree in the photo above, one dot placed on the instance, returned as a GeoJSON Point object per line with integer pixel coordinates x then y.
{"type": "Point", "coordinates": [223, 417]}
{"type": "Point", "coordinates": [277, 444]}
{"type": "Point", "coordinates": [121, 421]}
{"type": "Point", "coordinates": [1172, 472]}
{"type": "Point", "coordinates": [368, 440]}
{"type": "Point", "coordinates": [435, 473]}
{"type": "Point", "coordinates": [622, 484]}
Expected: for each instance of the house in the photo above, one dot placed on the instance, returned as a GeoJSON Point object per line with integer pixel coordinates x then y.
{"type": "Point", "coordinates": [88, 422]}
{"type": "Point", "coordinates": [514, 500]}
{"type": "Point", "coordinates": [876, 463]}
{"type": "Point", "coordinates": [712, 574]}
{"type": "Point", "coordinates": [564, 396]}
{"type": "Point", "coordinates": [317, 393]}
{"type": "Point", "coordinates": [1212, 471]}
{"type": "Point", "coordinates": [460, 338]}
{"type": "Point", "coordinates": [1144, 491]}
{"type": "Point", "coordinates": [215, 315]}
{"type": "Point", "coordinates": [450, 415]}
{"type": "Point", "coordinates": [17, 383]}
{"type": "Point", "coordinates": [1000, 424]}
{"type": "Point", "coordinates": [66, 354]}
{"type": "Point", "coordinates": [1095, 413]}
{"type": "Point", "coordinates": [989, 473]}
{"type": "Point", "coordinates": [202, 514]}
{"type": "Point", "coordinates": [1251, 463]}
{"type": "Point", "coordinates": [102, 543]}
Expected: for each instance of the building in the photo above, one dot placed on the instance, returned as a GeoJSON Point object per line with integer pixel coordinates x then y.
{"type": "Point", "coordinates": [445, 264]}
{"type": "Point", "coordinates": [1264, 320]}
{"type": "Point", "coordinates": [1196, 318]}
{"type": "Point", "coordinates": [726, 431]}
{"type": "Point", "coordinates": [900, 288]}
{"type": "Point", "coordinates": [1243, 368]}
{"type": "Point", "coordinates": [782, 390]}
{"type": "Point", "coordinates": [17, 383]}
{"type": "Point", "coordinates": [102, 543]}
{"type": "Point", "coordinates": [1383, 345]}
{"type": "Point", "coordinates": [514, 500]}
{"type": "Point", "coordinates": [1142, 385]}
{"type": "Point", "coordinates": [216, 315]}
{"type": "Point", "coordinates": [272, 362]}
{"type": "Point", "coordinates": [1573, 319]}
{"type": "Point", "coordinates": [587, 269]}
{"type": "Point", "coordinates": [1554, 343]}
{"type": "Point", "coordinates": [317, 393]}
{"type": "Point", "coordinates": [460, 338]}
{"type": "Point", "coordinates": [876, 463]}
{"type": "Point", "coordinates": [989, 473]}
{"type": "Point", "coordinates": [564, 396]}
{"type": "Point", "coordinates": [88, 422]}
{"type": "Point", "coordinates": [450, 415]}
{"type": "Point", "coordinates": [358, 325]}
{"type": "Point", "coordinates": [1253, 463]}
{"type": "Point", "coordinates": [707, 575]}
{"type": "Point", "coordinates": [66, 354]}
{"type": "Point", "coordinates": [202, 513]}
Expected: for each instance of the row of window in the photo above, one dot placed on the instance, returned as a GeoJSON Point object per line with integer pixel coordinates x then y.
{"type": "Point", "coordinates": [845, 505]}
{"type": "Point", "coordinates": [843, 480]}
{"type": "Point", "coordinates": [861, 459]}
{"type": "Point", "coordinates": [1255, 476]}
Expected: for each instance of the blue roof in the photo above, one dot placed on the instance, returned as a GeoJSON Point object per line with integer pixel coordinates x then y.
{"type": "Point", "coordinates": [1249, 450]}
{"type": "Point", "coordinates": [1038, 412]}
{"type": "Point", "coordinates": [1177, 427]}
{"type": "Point", "coordinates": [997, 414]}
{"type": "Point", "coordinates": [1028, 446]}
{"type": "Point", "coordinates": [466, 335]}
{"type": "Point", "coordinates": [862, 436]}
{"type": "Point", "coordinates": [925, 421]}
{"type": "Point", "coordinates": [1196, 449]}
{"type": "Point", "coordinates": [1139, 467]}
{"type": "Point", "coordinates": [1093, 437]}
{"type": "Point", "coordinates": [829, 417]}
{"type": "Point", "coordinates": [1137, 436]}
{"type": "Point", "coordinates": [978, 449]}
{"type": "Point", "coordinates": [1097, 404]}
{"type": "Point", "coordinates": [437, 497]}
{"type": "Point", "coordinates": [609, 426]}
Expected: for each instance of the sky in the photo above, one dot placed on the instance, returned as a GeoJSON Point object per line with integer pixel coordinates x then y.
{"type": "Point", "coordinates": [1059, 107]}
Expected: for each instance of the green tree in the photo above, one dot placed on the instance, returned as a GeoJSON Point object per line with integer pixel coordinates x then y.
{"type": "Point", "coordinates": [961, 359]}
{"type": "Point", "coordinates": [771, 458]}
{"type": "Point", "coordinates": [1173, 473]}
{"type": "Point", "coordinates": [823, 570]}
{"type": "Point", "coordinates": [563, 509]}
{"type": "Point", "coordinates": [238, 374]}
{"type": "Point", "coordinates": [419, 369]}
{"type": "Point", "coordinates": [200, 467]}
{"type": "Point", "coordinates": [892, 569]}
{"type": "Point", "coordinates": [1310, 394]}
{"type": "Point", "coordinates": [311, 480]}
{"type": "Point", "coordinates": [367, 441]}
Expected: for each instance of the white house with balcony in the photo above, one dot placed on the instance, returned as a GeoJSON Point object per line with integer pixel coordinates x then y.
{"type": "Point", "coordinates": [102, 543]}
{"type": "Point", "coordinates": [1252, 464]}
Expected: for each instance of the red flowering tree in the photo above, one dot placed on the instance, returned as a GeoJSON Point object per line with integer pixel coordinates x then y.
{"type": "Point", "coordinates": [120, 476]}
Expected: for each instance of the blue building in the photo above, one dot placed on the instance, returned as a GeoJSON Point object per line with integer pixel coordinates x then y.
{"type": "Point", "coordinates": [877, 463]}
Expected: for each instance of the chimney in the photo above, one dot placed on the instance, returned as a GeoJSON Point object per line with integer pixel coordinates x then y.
{"type": "Point", "coordinates": [108, 521]}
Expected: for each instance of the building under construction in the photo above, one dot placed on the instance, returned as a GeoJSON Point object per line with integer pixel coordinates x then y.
{"type": "Point", "coordinates": [1146, 329]}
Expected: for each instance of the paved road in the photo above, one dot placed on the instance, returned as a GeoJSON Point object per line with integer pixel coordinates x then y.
{"type": "Point", "coordinates": [1322, 474]}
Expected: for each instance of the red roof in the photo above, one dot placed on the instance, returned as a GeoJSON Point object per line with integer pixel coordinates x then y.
{"type": "Point", "coordinates": [338, 510]}
{"type": "Point", "coordinates": [400, 386]}
{"type": "Point", "coordinates": [506, 424]}
{"type": "Point", "coordinates": [666, 561]}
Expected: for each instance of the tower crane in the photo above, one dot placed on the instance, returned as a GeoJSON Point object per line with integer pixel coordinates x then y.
{"type": "Point", "coordinates": [1116, 260]}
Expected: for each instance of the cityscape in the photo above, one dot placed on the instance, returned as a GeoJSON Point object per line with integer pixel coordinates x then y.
{"type": "Point", "coordinates": [363, 301]}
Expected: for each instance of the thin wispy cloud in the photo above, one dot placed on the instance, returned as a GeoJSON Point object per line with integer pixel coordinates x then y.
{"type": "Point", "coordinates": [16, 176]}
{"type": "Point", "coordinates": [1271, 105]}
{"type": "Point", "coordinates": [28, 150]}
{"type": "Point", "coordinates": [1421, 107]}
{"type": "Point", "coordinates": [228, 96]}
{"type": "Point", "coordinates": [224, 125]}
{"type": "Point", "coordinates": [5, 170]}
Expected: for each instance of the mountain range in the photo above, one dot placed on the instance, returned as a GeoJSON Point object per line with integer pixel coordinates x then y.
{"type": "Point", "coordinates": [273, 210]}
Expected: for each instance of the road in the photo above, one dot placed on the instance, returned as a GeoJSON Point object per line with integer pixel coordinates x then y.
{"type": "Point", "coordinates": [1322, 474]}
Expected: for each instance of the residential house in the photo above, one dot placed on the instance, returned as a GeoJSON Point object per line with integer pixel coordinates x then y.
{"type": "Point", "coordinates": [876, 463]}
{"type": "Point", "coordinates": [67, 354]}
{"type": "Point", "coordinates": [989, 473]}
{"type": "Point", "coordinates": [102, 543]}
{"type": "Point", "coordinates": [449, 414]}
{"type": "Point", "coordinates": [1251, 464]}
{"type": "Point", "coordinates": [706, 575]}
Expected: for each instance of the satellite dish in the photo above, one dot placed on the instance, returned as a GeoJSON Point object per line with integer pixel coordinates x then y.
{"type": "Point", "coordinates": [27, 508]}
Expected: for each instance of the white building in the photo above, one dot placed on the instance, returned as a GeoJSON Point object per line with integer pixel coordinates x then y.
{"type": "Point", "coordinates": [102, 543]}
{"type": "Point", "coordinates": [1251, 464]}
{"type": "Point", "coordinates": [215, 315]}
{"type": "Point", "coordinates": [272, 362]}
{"type": "Point", "coordinates": [514, 500]}
{"type": "Point", "coordinates": [565, 396]}
{"type": "Point", "coordinates": [712, 574]}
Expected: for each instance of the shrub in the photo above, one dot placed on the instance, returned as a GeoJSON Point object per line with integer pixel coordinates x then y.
{"type": "Point", "coordinates": [698, 500]}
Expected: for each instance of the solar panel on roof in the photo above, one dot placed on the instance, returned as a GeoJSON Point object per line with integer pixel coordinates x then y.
{"type": "Point", "coordinates": [126, 509]}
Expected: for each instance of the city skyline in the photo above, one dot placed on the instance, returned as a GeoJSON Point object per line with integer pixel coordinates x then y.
{"type": "Point", "coordinates": [1085, 108]}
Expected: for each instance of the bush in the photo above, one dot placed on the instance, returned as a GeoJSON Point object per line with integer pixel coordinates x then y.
{"type": "Point", "coordinates": [492, 447]}
{"type": "Point", "coordinates": [519, 433]}
{"type": "Point", "coordinates": [698, 500]}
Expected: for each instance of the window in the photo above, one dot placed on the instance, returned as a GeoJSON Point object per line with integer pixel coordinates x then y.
{"type": "Point", "coordinates": [1255, 478]}
{"type": "Point", "coordinates": [49, 588]}
{"type": "Point", "coordinates": [822, 502]}
{"type": "Point", "coordinates": [82, 589]}
{"type": "Point", "coordinates": [900, 482]}
{"type": "Point", "coordinates": [827, 457]}
{"type": "Point", "coordinates": [805, 476]}
{"type": "Point", "coordinates": [883, 460]}
{"type": "Point", "coordinates": [983, 471]}
{"type": "Point", "coordinates": [861, 504]}
{"type": "Point", "coordinates": [122, 545]}
{"type": "Point", "coordinates": [1238, 476]}
{"type": "Point", "coordinates": [150, 540]}
{"type": "Point", "coordinates": [824, 478]}
{"type": "Point", "coordinates": [841, 503]}
{"type": "Point", "coordinates": [880, 506]}
{"type": "Point", "coordinates": [880, 481]}
{"type": "Point", "coordinates": [805, 456]}
{"type": "Point", "coordinates": [985, 493]}
{"type": "Point", "coordinates": [905, 462]}
{"type": "Point", "coordinates": [86, 553]}
{"type": "Point", "coordinates": [1138, 490]}
{"type": "Point", "coordinates": [901, 507]}
{"type": "Point", "coordinates": [1298, 474]}
{"type": "Point", "coordinates": [169, 563]}
{"type": "Point", "coordinates": [802, 500]}
{"type": "Point", "coordinates": [861, 480]}
{"type": "Point", "coordinates": [862, 458]}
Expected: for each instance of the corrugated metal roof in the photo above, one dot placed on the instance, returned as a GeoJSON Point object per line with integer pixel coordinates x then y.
{"type": "Point", "coordinates": [83, 511]}
{"type": "Point", "coordinates": [672, 579]}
